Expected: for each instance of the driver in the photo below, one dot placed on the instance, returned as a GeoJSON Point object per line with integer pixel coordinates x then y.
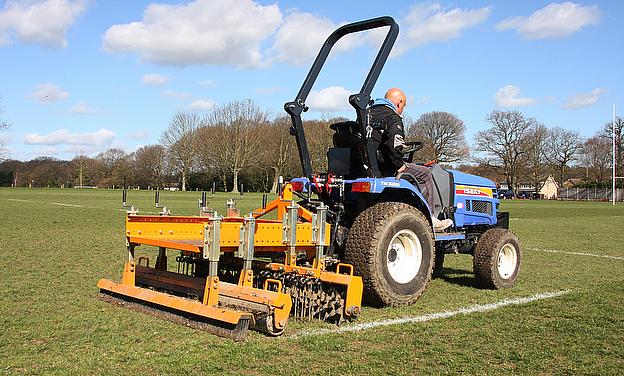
{"type": "Point", "coordinates": [387, 113]}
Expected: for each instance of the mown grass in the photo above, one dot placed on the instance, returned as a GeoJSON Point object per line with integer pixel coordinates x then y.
{"type": "Point", "coordinates": [51, 257]}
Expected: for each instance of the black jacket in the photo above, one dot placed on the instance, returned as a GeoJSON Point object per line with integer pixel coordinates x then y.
{"type": "Point", "coordinates": [389, 132]}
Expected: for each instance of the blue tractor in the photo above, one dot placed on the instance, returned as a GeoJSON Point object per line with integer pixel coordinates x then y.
{"type": "Point", "coordinates": [382, 225]}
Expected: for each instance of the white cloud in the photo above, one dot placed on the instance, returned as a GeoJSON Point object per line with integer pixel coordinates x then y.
{"type": "Point", "coordinates": [40, 22]}
{"type": "Point", "coordinates": [584, 99]}
{"type": "Point", "coordinates": [301, 36]}
{"type": "Point", "coordinates": [299, 39]}
{"type": "Point", "coordinates": [82, 108]}
{"type": "Point", "coordinates": [154, 79]}
{"type": "Point", "coordinates": [333, 98]}
{"type": "Point", "coordinates": [202, 105]}
{"type": "Point", "coordinates": [48, 93]}
{"type": "Point", "coordinates": [556, 20]}
{"type": "Point", "coordinates": [65, 137]}
{"type": "Point", "coordinates": [177, 94]}
{"type": "Point", "coordinates": [509, 96]}
{"type": "Point", "coordinates": [427, 23]}
{"type": "Point", "coordinates": [199, 32]}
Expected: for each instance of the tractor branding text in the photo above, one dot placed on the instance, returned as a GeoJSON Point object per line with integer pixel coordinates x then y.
{"type": "Point", "coordinates": [473, 191]}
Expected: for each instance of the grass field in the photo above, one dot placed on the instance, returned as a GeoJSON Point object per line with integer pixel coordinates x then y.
{"type": "Point", "coordinates": [52, 256]}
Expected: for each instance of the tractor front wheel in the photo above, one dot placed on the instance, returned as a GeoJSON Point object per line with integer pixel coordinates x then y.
{"type": "Point", "coordinates": [391, 246]}
{"type": "Point", "coordinates": [497, 258]}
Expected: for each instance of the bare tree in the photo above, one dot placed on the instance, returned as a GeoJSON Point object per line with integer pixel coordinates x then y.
{"type": "Point", "coordinates": [319, 140]}
{"type": "Point", "coordinates": [596, 155]}
{"type": "Point", "coordinates": [536, 162]}
{"type": "Point", "coordinates": [80, 170]}
{"type": "Point", "coordinates": [281, 148]}
{"type": "Point", "coordinates": [233, 140]}
{"type": "Point", "coordinates": [442, 134]}
{"type": "Point", "coordinates": [180, 138]}
{"type": "Point", "coordinates": [563, 147]}
{"type": "Point", "coordinates": [607, 133]}
{"type": "Point", "coordinates": [115, 168]}
{"type": "Point", "coordinates": [150, 163]}
{"type": "Point", "coordinates": [506, 142]}
{"type": "Point", "coordinates": [211, 156]}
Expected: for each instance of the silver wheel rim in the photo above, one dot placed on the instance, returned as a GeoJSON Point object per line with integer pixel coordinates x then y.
{"type": "Point", "coordinates": [404, 256]}
{"type": "Point", "coordinates": [507, 260]}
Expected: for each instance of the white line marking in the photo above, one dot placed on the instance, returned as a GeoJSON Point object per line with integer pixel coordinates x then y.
{"type": "Point", "coordinates": [78, 206]}
{"type": "Point", "coordinates": [433, 316]}
{"type": "Point", "coordinates": [577, 253]}
{"type": "Point", "coordinates": [70, 205]}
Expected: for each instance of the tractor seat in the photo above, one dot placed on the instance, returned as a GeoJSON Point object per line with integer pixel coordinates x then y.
{"type": "Point", "coordinates": [346, 158]}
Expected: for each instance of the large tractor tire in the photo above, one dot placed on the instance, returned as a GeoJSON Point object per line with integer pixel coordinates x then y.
{"type": "Point", "coordinates": [497, 258]}
{"type": "Point", "coordinates": [391, 246]}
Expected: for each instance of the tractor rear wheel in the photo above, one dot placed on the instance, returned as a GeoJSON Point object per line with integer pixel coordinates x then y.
{"type": "Point", "coordinates": [497, 258]}
{"type": "Point", "coordinates": [391, 246]}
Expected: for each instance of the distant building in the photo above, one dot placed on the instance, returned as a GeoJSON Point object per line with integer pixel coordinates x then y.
{"type": "Point", "coordinates": [572, 182]}
{"type": "Point", "coordinates": [549, 189]}
{"type": "Point", "coordinates": [522, 187]}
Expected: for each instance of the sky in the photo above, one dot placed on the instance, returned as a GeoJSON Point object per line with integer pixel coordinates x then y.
{"type": "Point", "coordinates": [82, 76]}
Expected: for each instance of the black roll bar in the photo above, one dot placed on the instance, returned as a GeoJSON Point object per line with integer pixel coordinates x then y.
{"type": "Point", "coordinates": [358, 101]}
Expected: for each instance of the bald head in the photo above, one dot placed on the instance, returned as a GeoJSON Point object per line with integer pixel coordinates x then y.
{"type": "Point", "coordinates": [397, 97]}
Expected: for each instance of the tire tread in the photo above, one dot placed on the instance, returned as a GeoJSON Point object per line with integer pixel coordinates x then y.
{"type": "Point", "coordinates": [363, 239]}
{"type": "Point", "coordinates": [484, 260]}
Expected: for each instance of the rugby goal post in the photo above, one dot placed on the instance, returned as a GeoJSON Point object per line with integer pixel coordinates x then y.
{"type": "Point", "coordinates": [614, 163]}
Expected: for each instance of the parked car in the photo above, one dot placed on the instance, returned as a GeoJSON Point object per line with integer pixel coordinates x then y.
{"type": "Point", "coordinates": [528, 195]}
{"type": "Point", "coordinates": [524, 195]}
{"type": "Point", "coordinates": [506, 194]}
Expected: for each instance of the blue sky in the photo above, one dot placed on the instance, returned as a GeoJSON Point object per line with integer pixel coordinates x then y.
{"type": "Point", "coordinates": [81, 76]}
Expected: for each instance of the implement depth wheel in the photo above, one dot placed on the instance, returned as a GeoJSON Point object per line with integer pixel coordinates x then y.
{"type": "Point", "coordinates": [391, 246]}
{"type": "Point", "coordinates": [265, 325]}
{"type": "Point", "coordinates": [497, 258]}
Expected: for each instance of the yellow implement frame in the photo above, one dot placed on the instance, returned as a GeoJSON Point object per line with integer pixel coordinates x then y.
{"type": "Point", "coordinates": [208, 238]}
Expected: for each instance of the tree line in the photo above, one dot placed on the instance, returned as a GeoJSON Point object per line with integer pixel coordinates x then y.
{"type": "Point", "coordinates": [238, 146]}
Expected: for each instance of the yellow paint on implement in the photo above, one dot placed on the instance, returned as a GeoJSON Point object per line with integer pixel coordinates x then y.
{"type": "Point", "coordinates": [296, 230]}
{"type": "Point", "coordinates": [187, 233]}
{"type": "Point", "coordinates": [175, 302]}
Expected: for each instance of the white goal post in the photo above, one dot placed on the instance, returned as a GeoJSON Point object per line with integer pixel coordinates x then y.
{"type": "Point", "coordinates": [614, 164]}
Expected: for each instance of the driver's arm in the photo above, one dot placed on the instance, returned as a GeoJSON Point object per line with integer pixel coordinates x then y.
{"type": "Point", "coordinates": [394, 143]}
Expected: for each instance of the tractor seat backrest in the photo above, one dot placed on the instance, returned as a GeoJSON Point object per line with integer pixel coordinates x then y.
{"type": "Point", "coordinates": [346, 157]}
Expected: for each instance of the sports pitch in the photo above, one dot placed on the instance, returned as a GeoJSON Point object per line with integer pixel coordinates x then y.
{"type": "Point", "coordinates": [564, 316]}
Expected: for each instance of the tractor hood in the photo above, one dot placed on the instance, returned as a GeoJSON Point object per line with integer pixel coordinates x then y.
{"type": "Point", "coordinates": [467, 179]}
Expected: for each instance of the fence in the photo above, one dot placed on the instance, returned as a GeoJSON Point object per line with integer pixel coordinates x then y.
{"type": "Point", "coordinates": [590, 194]}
